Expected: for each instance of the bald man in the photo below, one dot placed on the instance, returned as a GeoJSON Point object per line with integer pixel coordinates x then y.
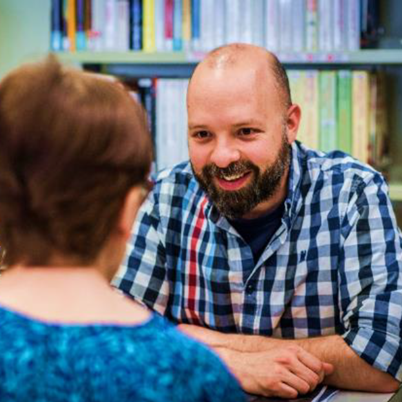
{"type": "Point", "coordinates": [285, 260]}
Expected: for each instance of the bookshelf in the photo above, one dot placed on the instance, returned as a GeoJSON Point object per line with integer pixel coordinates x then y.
{"type": "Point", "coordinates": [25, 35]}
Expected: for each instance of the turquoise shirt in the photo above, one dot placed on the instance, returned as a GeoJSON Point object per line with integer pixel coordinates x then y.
{"type": "Point", "coordinates": [42, 361]}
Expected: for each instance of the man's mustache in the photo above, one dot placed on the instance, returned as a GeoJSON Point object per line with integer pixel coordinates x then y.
{"type": "Point", "coordinates": [235, 168]}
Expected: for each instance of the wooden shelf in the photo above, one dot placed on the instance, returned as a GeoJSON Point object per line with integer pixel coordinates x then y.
{"type": "Point", "coordinates": [372, 56]}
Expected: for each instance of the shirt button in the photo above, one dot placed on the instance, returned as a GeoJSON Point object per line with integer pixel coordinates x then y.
{"type": "Point", "coordinates": [250, 288]}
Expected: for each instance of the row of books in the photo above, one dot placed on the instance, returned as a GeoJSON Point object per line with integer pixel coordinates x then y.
{"type": "Point", "coordinates": [201, 25]}
{"type": "Point", "coordinates": [341, 109]}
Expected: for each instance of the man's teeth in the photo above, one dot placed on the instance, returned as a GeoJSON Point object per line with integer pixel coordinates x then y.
{"type": "Point", "coordinates": [233, 177]}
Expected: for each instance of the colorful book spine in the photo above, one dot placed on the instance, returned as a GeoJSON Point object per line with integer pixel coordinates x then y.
{"type": "Point", "coordinates": [196, 24]}
{"type": "Point", "coordinates": [361, 114]}
{"type": "Point", "coordinates": [148, 26]}
{"type": "Point", "coordinates": [71, 25]}
{"type": "Point", "coordinates": [110, 24]}
{"type": "Point", "coordinates": [232, 21]}
{"type": "Point", "coordinates": [298, 25]}
{"type": "Point", "coordinates": [80, 35]}
{"type": "Point", "coordinates": [311, 26]}
{"type": "Point", "coordinates": [123, 26]}
{"type": "Point", "coordinates": [219, 22]}
{"type": "Point", "coordinates": [160, 25]}
{"type": "Point", "coordinates": [136, 25]}
{"type": "Point", "coordinates": [328, 102]}
{"type": "Point", "coordinates": [246, 12]}
{"type": "Point", "coordinates": [339, 21]}
{"type": "Point", "coordinates": [286, 28]}
{"type": "Point", "coordinates": [169, 10]}
{"type": "Point", "coordinates": [186, 34]}
{"type": "Point", "coordinates": [310, 111]}
{"type": "Point", "coordinates": [207, 25]}
{"type": "Point", "coordinates": [325, 25]}
{"type": "Point", "coordinates": [345, 136]}
{"type": "Point", "coordinates": [353, 24]}
{"type": "Point", "coordinates": [56, 35]}
{"type": "Point", "coordinates": [177, 25]}
{"type": "Point", "coordinates": [258, 22]}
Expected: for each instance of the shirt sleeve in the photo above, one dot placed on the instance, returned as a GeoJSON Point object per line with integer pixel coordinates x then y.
{"type": "Point", "coordinates": [143, 274]}
{"type": "Point", "coordinates": [371, 277]}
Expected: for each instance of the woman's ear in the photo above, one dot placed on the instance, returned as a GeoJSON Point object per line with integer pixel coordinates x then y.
{"type": "Point", "coordinates": [132, 203]}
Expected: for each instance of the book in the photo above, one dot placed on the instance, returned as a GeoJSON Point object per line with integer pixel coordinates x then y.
{"type": "Point", "coordinates": [311, 26]}
{"type": "Point", "coordinates": [136, 25]}
{"type": "Point", "coordinates": [56, 34]}
{"type": "Point", "coordinates": [361, 114]}
{"type": "Point", "coordinates": [178, 25]}
{"type": "Point", "coordinates": [148, 26]}
{"type": "Point", "coordinates": [122, 26]}
{"type": "Point", "coordinates": [328, 102]}
{"type": "Point", "coordinates": [344, 125]}
{"type": "Point", "coordinates": [80, 34]}
{"type": "Point", "coordinates": [71, 25]}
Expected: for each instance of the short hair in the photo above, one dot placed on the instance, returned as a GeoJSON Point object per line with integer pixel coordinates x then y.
{"type": "Point", "coordinates": [230, 54]}
{"type": "Point", "coordinates": [71, 147]}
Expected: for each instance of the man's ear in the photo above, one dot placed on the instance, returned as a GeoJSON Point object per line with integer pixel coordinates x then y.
{"type": "Point", "coordinates": [129, 210]}
{"type": "Point", "coordinates": [293, 122]}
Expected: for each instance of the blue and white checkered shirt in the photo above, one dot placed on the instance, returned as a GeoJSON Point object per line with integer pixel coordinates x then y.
{"type": "Point", "coordinates": [334, 266]}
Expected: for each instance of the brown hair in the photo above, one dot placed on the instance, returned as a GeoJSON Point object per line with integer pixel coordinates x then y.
{"type": "Point", "coordinates": [71, 147]}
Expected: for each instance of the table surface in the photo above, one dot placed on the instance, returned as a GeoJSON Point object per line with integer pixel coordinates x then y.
{"type": "Point", "coordinates": [352, 396]}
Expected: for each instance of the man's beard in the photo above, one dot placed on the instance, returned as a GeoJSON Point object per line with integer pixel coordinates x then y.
{"type": "Point", "coordinates": [237, 203]}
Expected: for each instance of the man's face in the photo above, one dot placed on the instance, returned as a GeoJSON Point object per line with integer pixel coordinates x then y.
{"type": "Point", "coordinates": [238, 143]}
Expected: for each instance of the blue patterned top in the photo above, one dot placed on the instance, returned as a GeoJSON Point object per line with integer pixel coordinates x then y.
{"type": "Point", "coordinates": [91, 363]}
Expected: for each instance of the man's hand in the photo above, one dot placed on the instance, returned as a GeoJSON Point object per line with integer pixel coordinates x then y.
{"type": "Point", "coordinates": [284, 372]}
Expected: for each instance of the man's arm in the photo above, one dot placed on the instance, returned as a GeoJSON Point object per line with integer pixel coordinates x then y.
{"type": "Point", "coordinates": [350, 370]}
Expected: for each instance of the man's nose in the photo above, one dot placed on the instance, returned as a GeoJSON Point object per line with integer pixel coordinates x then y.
{"type": "Point", "coordinates": [225, 152]}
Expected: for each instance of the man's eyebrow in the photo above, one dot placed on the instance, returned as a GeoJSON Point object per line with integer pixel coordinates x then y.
{"type": "Point", "coordinates": [197, 126]}
{"type": "Point", "coordinates": [245, 123]}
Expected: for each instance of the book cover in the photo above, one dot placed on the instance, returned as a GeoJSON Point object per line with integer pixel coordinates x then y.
{"type": "Point", "coordinates": [285, 24]}
{"type": "Point", "coordinates": [325, 25]}
{"type": "Point", "coordinates": [298, 25]}
{"type": "Point", "coordinates": [219, 22]}
{"type": "Point", "coordinates": [232, 22]}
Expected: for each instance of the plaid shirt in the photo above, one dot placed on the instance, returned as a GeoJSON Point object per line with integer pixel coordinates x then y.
{"type": "Point", "coordinates": [334, 266]}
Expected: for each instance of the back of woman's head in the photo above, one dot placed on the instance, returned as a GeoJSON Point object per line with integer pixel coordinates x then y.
{"type": "Point", "coordinates": [71, 147]}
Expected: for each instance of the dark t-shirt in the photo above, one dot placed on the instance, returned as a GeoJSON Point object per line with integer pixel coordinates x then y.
{"type": "Point", "coordinates": [259, 231]}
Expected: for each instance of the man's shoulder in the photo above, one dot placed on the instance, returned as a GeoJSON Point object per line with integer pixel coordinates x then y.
{"type": "Point", "coordinates": [178, 179]}
{"type": "Point", "coordinates": [337, 167]}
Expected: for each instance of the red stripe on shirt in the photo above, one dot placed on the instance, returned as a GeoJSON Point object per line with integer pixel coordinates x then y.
{"type": "Point", "coordinates": [192, 276]}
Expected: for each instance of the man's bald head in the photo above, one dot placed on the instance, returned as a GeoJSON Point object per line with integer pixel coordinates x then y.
{"type": "Point", "coordinates": [244, 55]}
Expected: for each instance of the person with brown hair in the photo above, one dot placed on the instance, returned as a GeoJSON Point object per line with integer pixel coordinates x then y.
{"type": "Point", "coordinates": [75, 155]}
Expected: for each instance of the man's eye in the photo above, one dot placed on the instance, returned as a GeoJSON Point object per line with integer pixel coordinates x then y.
{"type": "Point", "coordinates": [246, 131]}
{"type": "Point", "coordinates": [202, 134]}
